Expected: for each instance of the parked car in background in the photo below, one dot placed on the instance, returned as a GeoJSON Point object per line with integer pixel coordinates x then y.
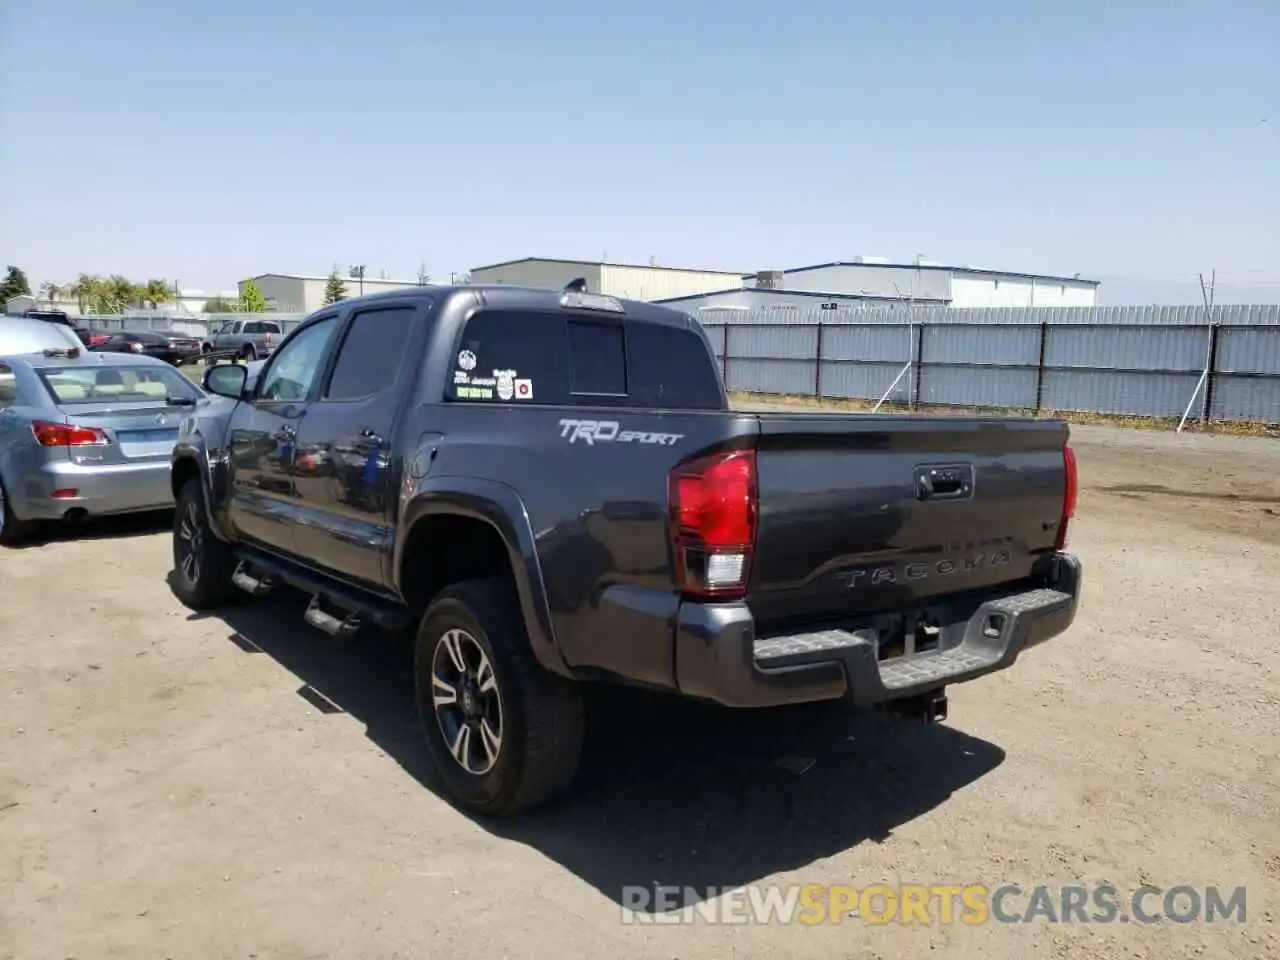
{"type": "Point", "coordinates": [170, 347]}
{"type": "Point", "coordinates": [245, 339]}
{"type": "Point", "coordinates": [28, 335]}
{"type": "Point", "coordinates": [86, 434]}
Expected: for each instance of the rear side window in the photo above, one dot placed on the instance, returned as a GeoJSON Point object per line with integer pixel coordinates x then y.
{"type": "Point", "coordinates": [371, 353]}
{"type": "Point", "coordinates": [672, 368]}
{"type": "Point", "coordinates": [258, 326]}
{"type": "Point", "coordinates": [8, 386]}
{"type": "Point", "coordinates": [510, 355]}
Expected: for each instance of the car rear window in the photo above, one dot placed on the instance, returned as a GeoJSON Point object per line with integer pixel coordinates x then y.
{"type": "Point", "coordinates": [122, 384]}
{"type": "Point", "coordinates": [549, 357]}
{"type": "Point", "coordinates": [260, 326]}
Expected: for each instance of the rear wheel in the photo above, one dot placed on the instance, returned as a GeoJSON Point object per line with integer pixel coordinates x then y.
{"type": "Point", "coordinates": [202, 564]}
{"type": "Point", "coordinates": [12, 529]}
{"type": "Point", "coordinates": [248, 354]}
{"type": "Point", "coordinates": [506, 734]}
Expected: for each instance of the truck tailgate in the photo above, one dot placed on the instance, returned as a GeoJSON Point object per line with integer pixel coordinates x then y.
{"type": "Point", "coordinates": [868, 514]}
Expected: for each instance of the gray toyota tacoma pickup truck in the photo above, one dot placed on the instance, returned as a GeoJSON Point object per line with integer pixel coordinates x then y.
{"type": "Point", "coordinates": [551, 488]}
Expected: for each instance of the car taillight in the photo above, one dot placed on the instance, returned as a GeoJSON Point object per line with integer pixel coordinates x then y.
{"type": "Point", "coordinates": [714, 506]}
{"type": "Point", "coordinates": [1069, 497]}
{"type": "Point", "coordinates": [65, 435]}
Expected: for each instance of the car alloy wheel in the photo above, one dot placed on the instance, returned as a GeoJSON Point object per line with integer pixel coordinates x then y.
{"type": "Point", "coordinates": [468, 706]}
{"type": "Point", "coordinates": [191, 537]}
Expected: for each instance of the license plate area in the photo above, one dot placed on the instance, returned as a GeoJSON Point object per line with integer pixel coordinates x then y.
{"type": "Point", "coordinates": [147, 436]}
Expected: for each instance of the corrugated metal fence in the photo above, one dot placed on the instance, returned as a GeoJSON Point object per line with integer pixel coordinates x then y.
{"type": "Point", "coordinates": [1139, 361]}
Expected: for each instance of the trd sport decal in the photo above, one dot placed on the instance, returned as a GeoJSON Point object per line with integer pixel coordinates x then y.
{"type": "Point", "coordinates": [592, 432]}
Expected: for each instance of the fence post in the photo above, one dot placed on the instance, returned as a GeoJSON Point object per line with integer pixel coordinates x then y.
{"type": "Point", "coordinates": [918, 348]}
{"type": "Point", "coordinates": [1212, 368]}
{"type": "Point", "coordinates": [817, 363]}
{"type": "Point", "coordinates": [1044, 336]}
{"type": "Point", "coordinates": [727, 328]}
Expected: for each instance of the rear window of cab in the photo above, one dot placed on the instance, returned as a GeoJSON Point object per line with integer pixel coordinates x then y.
{"type": "Point", "coordinates": [550, 357]}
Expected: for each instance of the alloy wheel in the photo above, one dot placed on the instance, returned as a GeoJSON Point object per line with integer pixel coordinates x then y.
{"type": "Point", "coordinates": [466, 700]}
{"type": "Point", "coordinates": [191, 536]}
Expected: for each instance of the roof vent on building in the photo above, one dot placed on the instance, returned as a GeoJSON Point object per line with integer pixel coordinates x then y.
{"type": "Point", "coordinates": [769, 279]}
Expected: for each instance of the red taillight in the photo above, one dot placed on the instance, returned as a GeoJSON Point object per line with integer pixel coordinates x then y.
{"type": "Point", "coordinates": [65, 435]}
{"type": "Point", "coordinates": [1069, 497]}
{"type": "Point", "coordinates": [713, 505]}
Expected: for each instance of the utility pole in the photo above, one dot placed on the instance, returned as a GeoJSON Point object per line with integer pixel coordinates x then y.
{"type": "Point", "coordinates": [357, 272]}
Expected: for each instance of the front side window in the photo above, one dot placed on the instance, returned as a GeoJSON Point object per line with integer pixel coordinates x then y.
{"type": "Point", "coordinates": [294, 367]}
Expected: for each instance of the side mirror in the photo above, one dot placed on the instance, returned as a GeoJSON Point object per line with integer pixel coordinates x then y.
{"type": "Point", "coordinates": [226, 380]}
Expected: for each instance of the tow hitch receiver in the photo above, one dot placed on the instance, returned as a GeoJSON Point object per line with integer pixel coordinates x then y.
{"type": "Point", "coordinates": [928, 707]}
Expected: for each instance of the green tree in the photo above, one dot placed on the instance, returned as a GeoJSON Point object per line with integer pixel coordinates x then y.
{"type": "Point", "coordinates": [15, 284]}
{"type": "Point", "coordinates": [51, 291]}
{"type": "Point", "coordinates": [156, 292]}
{"type": "Point", "coordinates": [251, 298]}
{"type": "Point", "coordinates": [335, 290]}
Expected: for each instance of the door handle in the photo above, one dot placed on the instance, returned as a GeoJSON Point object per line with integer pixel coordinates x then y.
{"type": "Point", "coordinates": [370, 434]}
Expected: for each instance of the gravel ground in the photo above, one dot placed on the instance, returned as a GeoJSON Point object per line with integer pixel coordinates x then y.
{"type": "Point", "coordinates": [241, 786]}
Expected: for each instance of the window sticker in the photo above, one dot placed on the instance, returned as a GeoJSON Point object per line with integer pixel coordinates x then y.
{"type": "Point", "coordinates": [523, 389]}
{"type": "Point", "coordinates": [467, 360]}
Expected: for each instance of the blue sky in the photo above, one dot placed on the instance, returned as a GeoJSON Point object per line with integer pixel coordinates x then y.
{"type": "Point", "coordinates": [208, 141]}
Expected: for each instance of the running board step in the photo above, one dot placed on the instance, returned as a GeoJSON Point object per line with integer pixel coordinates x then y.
{"type": "Point", "coordinates": [323, 620]}
{"type": "Point", "coordinates": [254, 586]}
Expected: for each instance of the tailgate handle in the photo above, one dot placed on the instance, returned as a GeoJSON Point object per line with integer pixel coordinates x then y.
{"type": "Point", "coordinates": [944, 482]}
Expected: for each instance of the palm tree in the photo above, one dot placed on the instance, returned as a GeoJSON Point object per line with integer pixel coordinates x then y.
{"type": "Point", "coordinates": [51, 291]}
{"type": "Point", "coordinates": [83, 290]}
{"type": "Point", "coordinates": [121, 292]}
{"type": "Point", "coordinates": [156, 292]}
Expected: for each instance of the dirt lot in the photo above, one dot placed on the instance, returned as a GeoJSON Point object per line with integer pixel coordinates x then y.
{"type": "Point", "coordinates": [240, 786]}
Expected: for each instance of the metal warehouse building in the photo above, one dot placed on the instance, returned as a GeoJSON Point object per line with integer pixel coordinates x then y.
{"type": "Point", "coordinates": [633, 281]}
{"type": "Point", "coordinates": [292, 293]}
{"type": "Point", "coordinates": [868, 279]}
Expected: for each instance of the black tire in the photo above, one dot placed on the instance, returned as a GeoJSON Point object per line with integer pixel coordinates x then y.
{"type": "Point", "coordinates": [202, 564]}
{"type": "Point", "coordinates": [13, 530]}
{"type": "Point", "coordinates": [249, 354]}
{"type": "Point", "coordinates": [541, 714]}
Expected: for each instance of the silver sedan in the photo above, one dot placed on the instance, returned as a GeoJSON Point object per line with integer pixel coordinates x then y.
{"type": "Point", "coordinates": [86, 434]}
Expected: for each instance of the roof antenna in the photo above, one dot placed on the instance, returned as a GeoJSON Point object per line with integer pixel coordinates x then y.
{"type": "Point", "coordinates": [577, 285]}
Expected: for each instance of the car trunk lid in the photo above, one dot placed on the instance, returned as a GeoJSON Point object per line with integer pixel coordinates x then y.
{"type": "Point", "coordinates": [143, 430]}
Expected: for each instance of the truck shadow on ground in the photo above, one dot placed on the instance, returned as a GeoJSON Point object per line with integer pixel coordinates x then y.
{"type": "Point", "coordinates": [671, 794]}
